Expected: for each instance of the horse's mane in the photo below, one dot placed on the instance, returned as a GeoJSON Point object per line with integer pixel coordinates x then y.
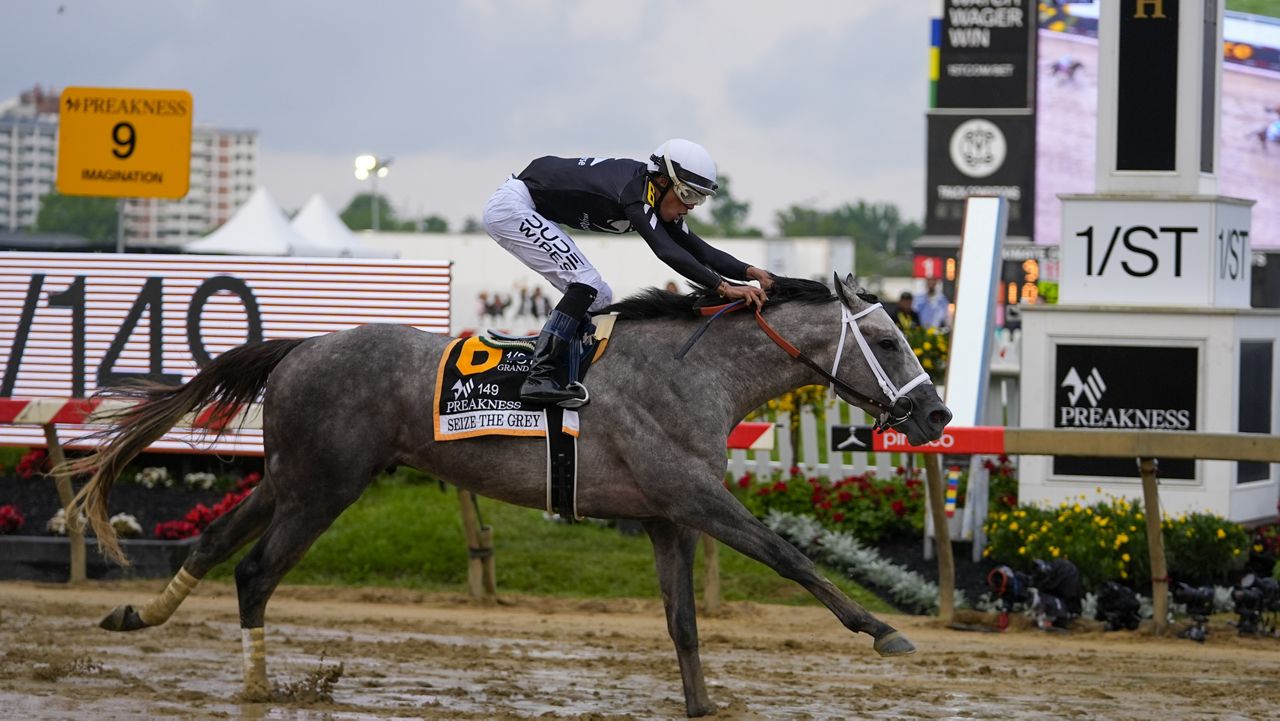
{"type": "Point", "coordinates": [652, 303]}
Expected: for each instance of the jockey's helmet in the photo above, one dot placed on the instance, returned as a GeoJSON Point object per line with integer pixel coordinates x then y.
{"type": "Point", "coordinates": [690, 168]}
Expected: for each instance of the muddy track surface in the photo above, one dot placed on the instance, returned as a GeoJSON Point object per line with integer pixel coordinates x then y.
{"type": "Point", "coordinates": [408, 655]}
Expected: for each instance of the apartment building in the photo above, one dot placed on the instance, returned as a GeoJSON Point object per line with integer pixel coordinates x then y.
{"type": "Point", "coordinates": [28, 156]}
{"type": "Point", "coordinates": [223, 175]}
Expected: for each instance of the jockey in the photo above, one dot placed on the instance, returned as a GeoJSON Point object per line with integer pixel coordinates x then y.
{"type": "Point", "coordinates": [608, 195]}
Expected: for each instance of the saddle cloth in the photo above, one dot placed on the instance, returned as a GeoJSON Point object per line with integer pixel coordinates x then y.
{"type": "Point", "coordinates": [478, 387]}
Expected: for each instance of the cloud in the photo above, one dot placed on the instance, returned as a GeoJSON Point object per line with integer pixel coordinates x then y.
{"type": "Point", "coordinates": [821, 101]}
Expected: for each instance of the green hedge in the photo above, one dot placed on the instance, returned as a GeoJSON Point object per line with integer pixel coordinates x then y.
{"type": "Point", "coordinates": [1108, 542]}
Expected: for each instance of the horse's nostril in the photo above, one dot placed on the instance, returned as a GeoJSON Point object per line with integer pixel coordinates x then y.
{"type": "Point", "coordinates": [940, 417]}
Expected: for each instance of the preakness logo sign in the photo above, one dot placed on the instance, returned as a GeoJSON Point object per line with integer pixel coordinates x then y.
{"type": "Point", "coordinates": [1129, 387]}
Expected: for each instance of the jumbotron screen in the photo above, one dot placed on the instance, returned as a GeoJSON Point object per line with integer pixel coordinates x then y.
{"type": "Point", "coordinates": [1066, 116]}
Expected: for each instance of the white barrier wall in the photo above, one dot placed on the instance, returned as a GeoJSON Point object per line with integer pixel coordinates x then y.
{"type": "Point", "coordinates": [625, 262]}
{"type": "Point", "coordinates": [1161, 368]}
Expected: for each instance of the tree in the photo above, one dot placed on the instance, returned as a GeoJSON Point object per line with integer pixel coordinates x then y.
{"type": "Point", "coordinates": [728, 215]}
{"type": "Point", "coordinates": [471, 225]}
{"type": "Point", "coordinates": [877, 225]}
{"type": "Point", "coordinates": [359, 213]}
{"type": "Point", "coordinates": [433, 224]}
{"type": "Point", "coordinates": [96, 219]}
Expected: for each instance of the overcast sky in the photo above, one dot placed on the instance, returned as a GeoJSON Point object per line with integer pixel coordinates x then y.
{"type": "Point", "coordinates": [816, 102]}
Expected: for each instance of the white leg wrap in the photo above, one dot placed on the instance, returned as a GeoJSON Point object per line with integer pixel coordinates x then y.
{"type": "Point", "coordinates": [159, 609]}
{"type": "Point", "coordinates": [255, 660]}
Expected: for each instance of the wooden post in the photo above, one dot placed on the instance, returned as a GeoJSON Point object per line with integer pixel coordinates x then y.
{"type": "Point", "coordinates": [75, 532]}
{"type": "Point", "coordinates": [480, 565]}
{"type": "Point", "coordinates": [1155, 544]}
{"type": "Point", "coordinates": [711, 590]}
{"type": "Point", "coordinates": [941, 538]}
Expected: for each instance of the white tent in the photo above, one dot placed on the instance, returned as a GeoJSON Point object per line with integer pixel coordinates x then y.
{"type": "Point", "coordinates": [325, 235]}
{"type": "Point", "coordinates": [259, 227]}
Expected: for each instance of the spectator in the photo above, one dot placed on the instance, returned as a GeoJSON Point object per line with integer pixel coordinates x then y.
{"type": "Point", "coordinates": [672, 287]}
{"type": "Point", "coordinates": [904, 315]}
{"type": "Point", "coordinates": [540, 305]}
{"type": "Point", "coordinates": [526, 306]}
{"type": "Point", "coordinates": [933, 309]}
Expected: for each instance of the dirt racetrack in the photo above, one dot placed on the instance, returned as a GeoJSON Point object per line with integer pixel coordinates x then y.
{"type": "Point", "coordinates": [410, 655]}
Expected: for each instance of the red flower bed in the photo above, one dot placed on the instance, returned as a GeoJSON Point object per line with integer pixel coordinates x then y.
{"type": "Point", "coordinates": [36, 461]}
{"type": "Point", "coordinates": [11, 519]}
{"type": "Point", "coordinates": [867, 506]}
{"type": "Point", "coordinates": [199, 518]}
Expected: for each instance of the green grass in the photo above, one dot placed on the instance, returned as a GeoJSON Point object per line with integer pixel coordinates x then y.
{"type": "Point", "coordinates": [409, 535]}
{"type": "Point", "coordinates": [1257, 7]}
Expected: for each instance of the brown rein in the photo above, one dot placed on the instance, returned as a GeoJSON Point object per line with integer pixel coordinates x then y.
{"type": "Point", "coordinates": [716, 310]}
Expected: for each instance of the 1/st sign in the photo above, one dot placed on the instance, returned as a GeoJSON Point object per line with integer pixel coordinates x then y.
{"type": "Point", "coordinates": [1181, 252]}
{"type": "Point", "coordinates": [119, 142]}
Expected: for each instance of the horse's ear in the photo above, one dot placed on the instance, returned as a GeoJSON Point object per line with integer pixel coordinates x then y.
{"type": "Point", "coordinates": [840, 290]}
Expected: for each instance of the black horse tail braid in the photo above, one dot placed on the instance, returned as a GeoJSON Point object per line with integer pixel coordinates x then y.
{"type": "Point", "coordinates": [230, 381]}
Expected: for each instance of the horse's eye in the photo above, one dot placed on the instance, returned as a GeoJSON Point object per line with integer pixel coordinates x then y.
{"type": "Point", "coordinates": [888, 344]}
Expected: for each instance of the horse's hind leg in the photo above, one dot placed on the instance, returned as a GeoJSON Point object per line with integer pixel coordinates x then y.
{"type": "Point", "coordinates": [292, 531]}
{"type": "Point", "coordinates": [223, 537]}
{"type": "Point", "coordinates": [721, 516]}
{"type": "Point", "coordinates": [673, 550]}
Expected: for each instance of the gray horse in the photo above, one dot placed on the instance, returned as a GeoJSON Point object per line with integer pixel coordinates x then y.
{"type": "Point", "coordinates": [340, 408]}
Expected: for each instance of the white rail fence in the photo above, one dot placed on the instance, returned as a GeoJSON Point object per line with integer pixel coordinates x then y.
{"type": "Point", "coordinates": [811, 453]}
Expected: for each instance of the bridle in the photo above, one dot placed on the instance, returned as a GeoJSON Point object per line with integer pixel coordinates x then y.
{"type": "Point", "coordinates": [892, 414]}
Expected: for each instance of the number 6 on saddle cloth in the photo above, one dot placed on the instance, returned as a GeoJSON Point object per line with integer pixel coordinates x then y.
{"type": "Point", "coordinates": [478, 394]}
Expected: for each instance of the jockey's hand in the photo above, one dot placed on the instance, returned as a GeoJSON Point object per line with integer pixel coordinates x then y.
{"type": "Point", "coordinates": [749, 293]}
{"type": "Point", "coordinates": [764, 277]}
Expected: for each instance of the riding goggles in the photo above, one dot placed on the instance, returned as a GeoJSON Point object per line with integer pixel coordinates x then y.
{"type": "Point", "coordinates": [688, 194]}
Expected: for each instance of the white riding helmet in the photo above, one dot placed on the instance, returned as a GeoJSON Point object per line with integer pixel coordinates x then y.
{"type": "Point", "coordinates": [690, 166]}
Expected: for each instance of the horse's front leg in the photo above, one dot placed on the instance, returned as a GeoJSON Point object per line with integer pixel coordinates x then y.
{"type": "Point", "coordinates": [673, 550]}
{"type": "Point", "coordinates": [711, 508]}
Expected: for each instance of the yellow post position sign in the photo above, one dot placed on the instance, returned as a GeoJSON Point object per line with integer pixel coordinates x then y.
{"type": "Point", "coordinates": [122, 142]}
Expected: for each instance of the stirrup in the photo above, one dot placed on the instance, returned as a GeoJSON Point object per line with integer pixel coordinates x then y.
{"type": "Point", "coordinates": [576, 402]}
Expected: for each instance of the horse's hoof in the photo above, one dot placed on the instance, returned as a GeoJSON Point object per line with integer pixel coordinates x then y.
{"type": "Point", "coordinates": [255, 693]}
{"type": "Point", "coordinates": [124, 618]}
{"type": "Point", "coordinates": [700, 710]}
{"type": "Point", "coordinates": [894, 644]}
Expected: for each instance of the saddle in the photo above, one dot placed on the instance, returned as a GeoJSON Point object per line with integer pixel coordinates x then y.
{"type": "Point", "coordinates": [478, 394]}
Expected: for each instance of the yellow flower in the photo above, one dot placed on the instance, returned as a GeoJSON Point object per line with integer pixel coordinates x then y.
{"type": "Point", "coordinates": [1125, 558]}
{"type": "Point", "coordinates": [1124, 574]}
{"type": "Point", "coordinates": [1235, 552]}
{"type": "Point", "coordinates": [918, 351]}
{"type": "Point", "coordinates": [1022, 550]}
{"type": "Point", "coordinates": [1013, 526]}
{"type": "Point", "coordinates": [1044, 528]}
{"type": "Point", "coordinates": [931, 331]}
{"type": "Point", "coordinates": [985, 551]}
{"type": "Point", "coordinates": [1054, 551]}
{"type": "Point", "coordinates": [928, 364]}
{"type": "Point", "coordinates": [928, 345]}
{"type": "Point", "coordinates": [1020, 514]}
{"type": "Point", "coordinates": [1257, 547]}
{"type": "Point", "coordinates": [1222, 533]}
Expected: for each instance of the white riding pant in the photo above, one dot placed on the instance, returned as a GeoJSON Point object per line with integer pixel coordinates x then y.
{"type": "Point", "coordinates": [510, 219]}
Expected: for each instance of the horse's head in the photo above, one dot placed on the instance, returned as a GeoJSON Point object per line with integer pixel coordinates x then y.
{"type": "Point", "coordinates": [878, 360]}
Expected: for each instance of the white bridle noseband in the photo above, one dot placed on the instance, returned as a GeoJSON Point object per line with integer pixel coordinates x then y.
{"type": "Point", "coordinates": [849, 319]}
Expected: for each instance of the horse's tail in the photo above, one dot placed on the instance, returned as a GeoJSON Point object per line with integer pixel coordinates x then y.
{"type": "Point", "coordinates": [230, 381]}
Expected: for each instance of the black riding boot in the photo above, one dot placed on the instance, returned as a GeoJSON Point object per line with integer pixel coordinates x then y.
{"type": "Point", "coordinates": [548, 382]}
